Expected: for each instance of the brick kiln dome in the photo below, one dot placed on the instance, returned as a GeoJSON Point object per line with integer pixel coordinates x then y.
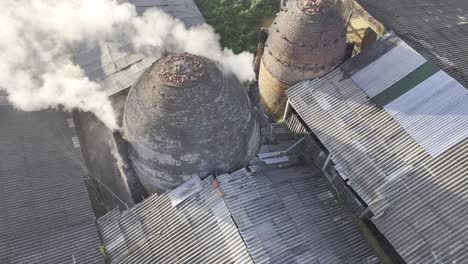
{"type": "Point", "coordinates": [306, 41]}
{"type": "Point", "coordinates": [184, 117]}
{"type": "Point", "coordinates": [315, 6]}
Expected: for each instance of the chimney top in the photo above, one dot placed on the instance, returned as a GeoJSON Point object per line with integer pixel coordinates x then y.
{"type": "Point", "coordinates": [177, 70]}
{"type": "Point", "coordinates": [314, 6]}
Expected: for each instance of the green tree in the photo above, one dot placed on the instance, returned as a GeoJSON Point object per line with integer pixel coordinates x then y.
{"type": "Point", "coordinates": [238, 21]}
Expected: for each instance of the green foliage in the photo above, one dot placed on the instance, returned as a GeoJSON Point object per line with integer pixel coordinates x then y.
{"type": "Point", "coordinates": [102, 249]}
{"type": "Point", "coordinates": [238, 21]}
{"type": "Point", "coordinates": [281, 121]}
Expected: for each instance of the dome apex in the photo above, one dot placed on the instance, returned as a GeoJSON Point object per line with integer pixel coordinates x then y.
{"type": "Point", "coordinates": [176, 70]}
{"type": "Point", "coordinates": [314, 6]}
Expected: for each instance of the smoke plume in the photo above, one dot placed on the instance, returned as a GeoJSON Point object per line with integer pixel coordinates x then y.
{"type": "Point", "coordinates": [37, 40]}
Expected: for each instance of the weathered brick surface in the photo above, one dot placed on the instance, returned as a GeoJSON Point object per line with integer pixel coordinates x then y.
{"type": "Point", "coordinates": [177, 129]}
{"type": "Point", "coordinates": [306, 41]}
{"type": "Point", "coordinates": [272, 94]}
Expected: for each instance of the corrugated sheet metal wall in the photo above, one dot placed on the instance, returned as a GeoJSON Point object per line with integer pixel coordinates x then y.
{"type": "Point", "coordinates": [318, 156]}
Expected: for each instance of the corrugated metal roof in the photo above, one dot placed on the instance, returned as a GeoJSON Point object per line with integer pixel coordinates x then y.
{"type": "Point", "coordinates": [317, 155]}
{"type": "Point", "coordinates": [434, 113]}
{"type": "Point", "coordinates": [436, 29]}
{"type": "Point", "coordinates": [406, 83]}
{"type": "Point", "coordinates": [46, 215]}
{"type": "Point", "coordinates": [185, 10]}
{"type": "Point", "coordinates": [4, 98]}
{"type": "Point", "coordinates": [198, 230]}
{"type": "Point", "coordinates": [117, 67]}
{"type": "Point", "coordinates": [418, 195]}
{"type": "Point", "coordinates": [396, 63]}
{"type": "Point", "coordinates": [285, 216]}
{"type": "Point", "coordinates": [290, 216]}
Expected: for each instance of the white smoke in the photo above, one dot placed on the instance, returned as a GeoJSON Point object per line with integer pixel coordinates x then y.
{"type": "Point", "coordinates": [37, 39]}
{"type": "Point", "coordinates": [172, 36]}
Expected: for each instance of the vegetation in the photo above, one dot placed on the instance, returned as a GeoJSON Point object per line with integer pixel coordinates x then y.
{"type": "Point", "coordinates": [238, 21]}
{"type": "Point", "coordinates": [102, 249]}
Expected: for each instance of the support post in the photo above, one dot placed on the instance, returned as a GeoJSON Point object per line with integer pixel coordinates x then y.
{"type": "Point", "coordinates": [327, 161]}
{"type": "Point", "coordinates": [287, 110]}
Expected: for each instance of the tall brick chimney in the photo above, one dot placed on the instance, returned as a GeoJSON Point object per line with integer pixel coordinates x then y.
{"type": "Point", "coordinates": [306, 41]}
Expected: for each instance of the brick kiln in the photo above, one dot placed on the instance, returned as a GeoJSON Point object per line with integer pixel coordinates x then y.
{"type": "Point", "coordinates": [184, 117]}
{"type": "Point", "coordinates": [306, 41]}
